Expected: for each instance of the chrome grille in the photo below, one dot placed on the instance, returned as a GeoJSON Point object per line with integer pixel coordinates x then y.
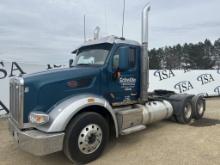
{"type": "Point", "coordinates": [17, 100]}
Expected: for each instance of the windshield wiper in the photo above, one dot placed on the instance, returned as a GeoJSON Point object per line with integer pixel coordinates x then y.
{"type": "Point", "coordinates": [83, 64]}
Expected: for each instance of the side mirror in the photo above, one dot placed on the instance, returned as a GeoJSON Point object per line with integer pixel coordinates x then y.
{"type": "Point", "coordinates": [123, 58]}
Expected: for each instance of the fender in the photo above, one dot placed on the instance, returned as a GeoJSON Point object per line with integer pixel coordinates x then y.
{"type": "Point", "coordinates": [177, 101]}
{"type": "Point", "coordinates": [64, 111]}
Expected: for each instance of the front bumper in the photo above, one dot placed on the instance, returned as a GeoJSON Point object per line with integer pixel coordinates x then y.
{"type": "Point", "coordinates": [36, 142]}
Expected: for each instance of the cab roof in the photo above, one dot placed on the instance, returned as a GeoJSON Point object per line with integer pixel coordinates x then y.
{"type": "Point", "coordinates": [109, 39]}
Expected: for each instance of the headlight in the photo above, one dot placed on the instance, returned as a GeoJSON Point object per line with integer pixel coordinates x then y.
{"type": "Point", "coordinates": [38, 118]}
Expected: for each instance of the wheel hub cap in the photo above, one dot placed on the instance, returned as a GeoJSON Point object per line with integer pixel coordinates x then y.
{"type": "Point", "coordinates": [188, 111]}
{"type": "Point", "coordinates": [200, 107]}
{"type": "Point", "coordinates": [90, 139]}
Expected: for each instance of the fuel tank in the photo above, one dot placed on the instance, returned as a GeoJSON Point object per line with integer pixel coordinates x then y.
{"type": "Point", "coordinates": [155, 111]}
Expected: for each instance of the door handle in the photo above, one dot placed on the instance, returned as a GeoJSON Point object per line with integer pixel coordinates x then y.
{"type": "Point", "coordinates": [116, 74]}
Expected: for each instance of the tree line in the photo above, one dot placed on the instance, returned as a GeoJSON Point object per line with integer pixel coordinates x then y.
{"type": "Point", "coordinates": [202, 55]}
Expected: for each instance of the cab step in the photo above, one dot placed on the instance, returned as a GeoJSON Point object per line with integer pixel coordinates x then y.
{"type": "Point", "coordinates": [133, 129]}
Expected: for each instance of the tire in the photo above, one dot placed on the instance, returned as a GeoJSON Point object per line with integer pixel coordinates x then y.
{"type": "Point", "coordinates": [86, 137]}
{"type": "Point", "coordinates": [198, 104]}
{"type": "Point", "coordinates": [186, 114]}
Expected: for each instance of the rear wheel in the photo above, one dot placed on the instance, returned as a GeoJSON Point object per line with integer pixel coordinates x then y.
{"type": "Point", "coordinates": [186, 113]}
{"type": "Point", "coordinates": [198, 107]}
{"type": "Point", "coordinates": [86, 137]}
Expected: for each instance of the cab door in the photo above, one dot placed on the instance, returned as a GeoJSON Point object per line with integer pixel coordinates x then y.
{"type": "Point", "coordinates": [124, 85]}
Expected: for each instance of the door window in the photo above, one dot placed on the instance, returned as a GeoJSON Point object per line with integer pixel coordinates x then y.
{"type": "Point", "coordinates": [131, 58]}
{"type": "Point", "coordinates": [115, 63]}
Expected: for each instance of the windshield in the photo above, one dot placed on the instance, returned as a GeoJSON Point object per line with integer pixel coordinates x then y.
{"type": "Point", "coordinates": [93, 55]}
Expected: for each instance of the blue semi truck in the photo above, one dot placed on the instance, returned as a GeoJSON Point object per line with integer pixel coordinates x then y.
{"type": "Point", "coordinates": [104, 94]}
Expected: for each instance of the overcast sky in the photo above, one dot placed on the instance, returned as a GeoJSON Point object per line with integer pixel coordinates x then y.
{"type": "Point", "coordinates": [46, 31]}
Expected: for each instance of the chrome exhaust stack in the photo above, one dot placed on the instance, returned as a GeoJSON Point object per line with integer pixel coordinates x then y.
{"type": "Point", "coordinates": [144, 55]}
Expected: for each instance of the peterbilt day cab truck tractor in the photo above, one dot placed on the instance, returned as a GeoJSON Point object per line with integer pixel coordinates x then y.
{"type": "Point", "coordinates": [77, 109]}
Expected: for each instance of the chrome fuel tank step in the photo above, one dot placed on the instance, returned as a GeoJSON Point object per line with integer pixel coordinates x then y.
{"type": "Point", "coordinates": [133, 129]}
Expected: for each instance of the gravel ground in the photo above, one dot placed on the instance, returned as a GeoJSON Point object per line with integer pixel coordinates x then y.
{"type": "Point", "coordinates": [163, 143]}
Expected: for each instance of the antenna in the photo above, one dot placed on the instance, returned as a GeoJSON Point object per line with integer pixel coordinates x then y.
{"type": "Point", "coordinates": [84, 28]}
{"type": "Point", "coordinates": [123, 20]}
{"type": "Point", "coordinates": [106, 19]}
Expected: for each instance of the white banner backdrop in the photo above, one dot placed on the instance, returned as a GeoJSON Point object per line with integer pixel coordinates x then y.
{"type": "Point", "coordinates": [205, 82]}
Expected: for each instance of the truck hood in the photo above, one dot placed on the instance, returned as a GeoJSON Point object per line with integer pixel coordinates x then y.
{"type": "Point", "coordinates": [45, 89]}
{"type": "Point", "coordinates": [55, 75]}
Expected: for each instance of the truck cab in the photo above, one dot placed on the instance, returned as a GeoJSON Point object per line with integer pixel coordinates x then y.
{"type": "Point", "coordinates": [118, 84]}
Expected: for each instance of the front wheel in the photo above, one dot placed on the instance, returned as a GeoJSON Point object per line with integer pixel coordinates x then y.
{"type": "Point", "coordinates": [86, 137]}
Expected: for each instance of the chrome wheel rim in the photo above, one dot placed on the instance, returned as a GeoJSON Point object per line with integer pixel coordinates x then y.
{"type": "Point", "coordinates": [188, 111]}
{"type": "Point", "coordinates": [90, 138]}
{"type": "Point", "coordinates": [200, 107]}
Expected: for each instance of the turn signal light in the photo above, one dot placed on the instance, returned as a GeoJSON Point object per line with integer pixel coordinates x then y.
{"type": "Point", "coordinates": [38, 118]}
